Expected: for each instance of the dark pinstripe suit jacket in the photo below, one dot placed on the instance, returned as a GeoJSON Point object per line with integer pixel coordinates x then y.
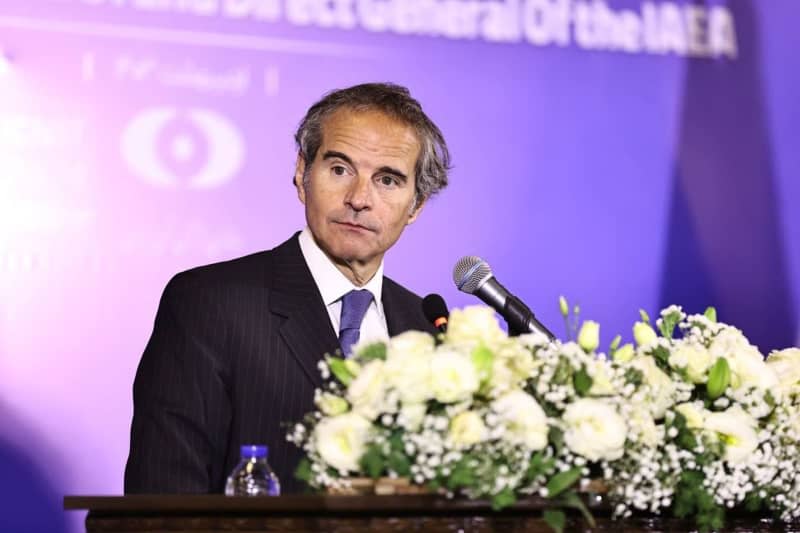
{"type": "Point", "coordinates": [232, 360]}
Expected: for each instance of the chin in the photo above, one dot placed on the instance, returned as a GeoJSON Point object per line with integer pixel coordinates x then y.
{"type": "Point", "coordinates": [351, 253]}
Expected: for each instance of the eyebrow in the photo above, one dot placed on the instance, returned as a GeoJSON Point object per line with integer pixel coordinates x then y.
{"type": "Point", "coordinates": [332, 154]}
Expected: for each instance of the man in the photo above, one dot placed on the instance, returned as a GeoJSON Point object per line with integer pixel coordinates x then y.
{"type": "Point", "coordinates": [233, 355]}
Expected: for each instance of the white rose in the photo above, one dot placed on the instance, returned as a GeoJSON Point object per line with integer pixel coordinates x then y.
{"type": "Point", "coordinates": [694, 414]}
{"type": "Point", "coordinates": [512, 363]}
{"type": "Point", "coordinates": [750, 371]}
{"type": "Point", "coordinates": [746, 362]}
{"type": "Point", "coordinates": [466, 429]}
{"type": "Point", "coordinates": [518, 357]}
{"type": "Point", "coordinates": [662, 389]}
{"type": "Point", "coordinates": [737, 430]}
{"type": "Point", "coordinates": [644, 334]}
{"type": "Point", "coordinates": [341, 440]}
{"type": "Point", "coordinates": [366, 391]}
{"type": "Point", "coordinates": [475, 324]}
{"type": "Point", "coordinates": [453, 376]}
{"type": "Point", "coordinates": [695, 359]}
{"type": "Point", "coordinates": [524, 420]}
{"type": "Point", "coordinates": [331, 404]}
{"type": "Point", "coordinates": [407, 367]}
{"type": "Point", "coordinates": [409, 343]}
{"type": "Point", "coordinates": [729, 339]}
{"type": "Point", "coordinates": [411, 416]}
{"type": "Point", "coordinates": [589, 336]}
{"type": "Point", "coordinates": [599, 371]}
{"type": "Point", "coordinates": [785, 364]}
{"type": "Point", "coordinates": [624, 354]}
{"type": "Point", "coordinates": [594, 430]}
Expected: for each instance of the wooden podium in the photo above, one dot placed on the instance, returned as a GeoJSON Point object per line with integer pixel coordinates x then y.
{"type": "Point", "coordinates": [312, 513]}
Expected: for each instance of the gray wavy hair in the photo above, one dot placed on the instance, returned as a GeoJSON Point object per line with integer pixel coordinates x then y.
{"type": "Point", "coordinates": [433, 162]}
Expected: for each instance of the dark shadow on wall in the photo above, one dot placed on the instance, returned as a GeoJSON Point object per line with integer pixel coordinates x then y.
{"type": "Point", "coordinates": [29, 503]}
{"type": "Point", "coordinates": [724, 245]}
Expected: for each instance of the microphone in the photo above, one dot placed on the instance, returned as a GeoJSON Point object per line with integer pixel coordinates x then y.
{"type": "Point", "coordinates": [474, 276]}
{"type": "Point", "coordinates": [436, 311]}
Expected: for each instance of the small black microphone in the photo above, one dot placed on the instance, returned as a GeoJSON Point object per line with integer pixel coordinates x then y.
{"type": "Point", "coordinates": [436, 311]}
{"type": "Point", "coordinates": [473, 275]}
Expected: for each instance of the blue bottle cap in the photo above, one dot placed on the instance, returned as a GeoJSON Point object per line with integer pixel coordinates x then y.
{"type": "Point", "coordinates": [253, 450]}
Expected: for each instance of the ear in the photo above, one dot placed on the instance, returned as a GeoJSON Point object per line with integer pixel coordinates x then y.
{"type": "Point", "coordinates": [299, 170]}
{"type": "Point", "coordinates": [415, 213]}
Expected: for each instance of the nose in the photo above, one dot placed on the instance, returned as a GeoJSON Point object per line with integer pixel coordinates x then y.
{"type": "Point", "coordinates": [359, 194]}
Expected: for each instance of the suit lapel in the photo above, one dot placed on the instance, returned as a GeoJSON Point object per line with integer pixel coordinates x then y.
{"type": "Point", "coordinates": [307, 329]}
{"type": "Point", "coordinates": [398, 316]}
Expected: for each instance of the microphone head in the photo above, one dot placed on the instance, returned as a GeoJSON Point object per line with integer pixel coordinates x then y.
{"type": "Point", "coordinates": [434, 307]}
{"type": "Point", "coordinates": [470, 272]}
{"type": "Point", "coordinates": [435, 311]}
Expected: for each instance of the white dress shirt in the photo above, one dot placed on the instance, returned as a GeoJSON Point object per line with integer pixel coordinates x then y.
{"type": "Point", "coordinates": [333, 285]}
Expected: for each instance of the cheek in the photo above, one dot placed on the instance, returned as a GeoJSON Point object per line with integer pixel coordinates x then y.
{"type": "Point", "coordinates": [320, 200]}
{"type": "Point", "coordinates": [397, 219]}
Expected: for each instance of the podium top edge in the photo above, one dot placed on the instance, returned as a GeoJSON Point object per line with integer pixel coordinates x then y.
{"type": "Point", "coordinates": [217, 503]}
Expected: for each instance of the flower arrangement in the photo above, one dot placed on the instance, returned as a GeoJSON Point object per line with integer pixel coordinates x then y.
{"type": "Point", "coordinates": [693, 421]}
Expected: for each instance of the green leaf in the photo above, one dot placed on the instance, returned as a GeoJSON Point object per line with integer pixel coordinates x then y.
{"type": "Point", "coordinates": [582, 381]}
{"type": "Point", "coordinates": [556, 437]}
{"type": "Point", "coordinates": [539, 466]}
{"type": "Point", "coordinates": [686, 439]}
{"type": "Point", "coordinates": [396, 441]}
{"type": "Point", "coordinates": [461, 476]}
{"type": "Point", "coordinates": [303, 470]}
{"type": "Point", "coordinates": [562, 481]}
{"type": "Point", "coordinates": [400, 464]}
{"type": "Point", "coordinates": [503, 499]}
{"type": "Point", "coordinates": [668, 323]}
{"type": "Point", "coordinates": [563, 371]}
{"type": "Point", "coordinates": [571, 499]}
{"type": "Point", "coordinates": [556, 519]}
{"type": "Point", "coordinates": [661, 355]}
{"type": "Point", "coordinates": [692, 500]}
{"type": "Point", "coordinates": [753, 503]}
{"type": "Point", "coordinates": [634, 376]}
{"type": "Point", "coordinates": [535, 464]}
{"type": "Point", "coordinates": [372, 461]}
{"type": "Point", "coordinates": [769, 399]}
{"type": "Point", "coordinates": [719, 377]}
{"type": "Point", "coordinates": [645, 317]}
{"type": "Point", "coordinates": [711, 313]}
{"type": "Point", "coordinates": [614, 345]}
{"type": "Point", "coordinates": [376, 350]}
{"type": "Point", "coordinates": [339, 369]}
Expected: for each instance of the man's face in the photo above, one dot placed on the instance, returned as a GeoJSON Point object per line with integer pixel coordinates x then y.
{"type": "Point", "coordinates": [360, 189]}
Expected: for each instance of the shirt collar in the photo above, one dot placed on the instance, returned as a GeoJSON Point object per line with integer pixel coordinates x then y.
{"type": "Point", "coordinates": [332, 284]}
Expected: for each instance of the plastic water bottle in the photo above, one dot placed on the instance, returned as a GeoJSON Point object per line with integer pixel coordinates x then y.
{"type": "Point", "coordinates": [253, 475]}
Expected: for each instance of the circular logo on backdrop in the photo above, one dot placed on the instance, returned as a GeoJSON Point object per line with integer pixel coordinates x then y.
{"type": "Point", "coordinates": [197, 148]}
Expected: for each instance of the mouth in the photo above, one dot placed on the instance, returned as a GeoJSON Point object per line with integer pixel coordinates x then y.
{"type": "Point", "coordinates": [353, 227]}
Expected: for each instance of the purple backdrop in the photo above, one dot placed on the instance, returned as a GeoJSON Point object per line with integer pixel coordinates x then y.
{"type": "Point", "coordinates": [626, 154]}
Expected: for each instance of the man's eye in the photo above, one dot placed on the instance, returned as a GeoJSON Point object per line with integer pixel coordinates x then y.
{"type": "Point", "coordinates": [388, 180]}
{"type": "Point", "coordinates": [339, 170]}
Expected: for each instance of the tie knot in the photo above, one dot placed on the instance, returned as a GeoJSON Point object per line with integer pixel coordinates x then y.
{"type": "Point", "coordinates": [354, 306]}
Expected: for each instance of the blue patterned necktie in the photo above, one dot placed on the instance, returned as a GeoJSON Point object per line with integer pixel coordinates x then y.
{"type": "Point", "coordinates": [354, 307]}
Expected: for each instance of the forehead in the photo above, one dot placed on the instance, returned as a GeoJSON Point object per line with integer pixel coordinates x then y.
{"type": "Point", "coordinates": [370, 136]}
